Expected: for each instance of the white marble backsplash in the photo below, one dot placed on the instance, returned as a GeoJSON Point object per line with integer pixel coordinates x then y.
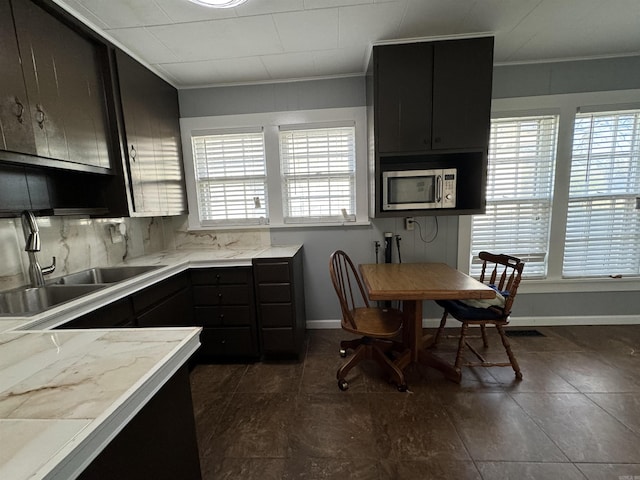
{"type": "Point", "coordinates": [81, 243]}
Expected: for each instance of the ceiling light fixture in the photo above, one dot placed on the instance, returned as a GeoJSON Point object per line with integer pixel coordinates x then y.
{"type": "Point", "coordinates": [219, 3]}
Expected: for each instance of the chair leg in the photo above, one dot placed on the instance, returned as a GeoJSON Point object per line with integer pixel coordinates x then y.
{"type": "Point", "coordinates": [483, 331]}
{"type": "Point", "coordinates": [461, 343]}
{"type": "Point", "coordinates": [440, 330]}
{"type": "Point", "coordinates": [346, 345]}
{"type": "Point", "coordinates": [507, 347]}
{"type": "Point", "coordinates": [396, 374]}
{"type": "Point", "coordinates": [359, 355]}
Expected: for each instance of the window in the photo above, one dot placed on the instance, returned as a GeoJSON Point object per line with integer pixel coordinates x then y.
{"type": "Point", "coordinates": [318, 174]}
{"type": "Point", "coordinates": [301, 168]}
{"type": "Point", "coordinates": [603, 221]}
{"type": "Point", "coordinates": [230, 178]}
{"type": "Point", "coordinates": [519, 192]}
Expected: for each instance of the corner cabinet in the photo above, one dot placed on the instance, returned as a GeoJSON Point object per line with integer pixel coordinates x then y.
{"type": "Point", "coordinates": [280, 304]}
{"type": "Point", "coordinates": [53, 108]}
{"type": "Point", "coordinates": [151, 140]}
{"type": "Point", "coordinates": [431, 105]}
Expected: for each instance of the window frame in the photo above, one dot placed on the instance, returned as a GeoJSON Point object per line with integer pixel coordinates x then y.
{"type": "Point", "coordinates": [566, 105]}
{"type": "Point", "coordinates": [270, 123]}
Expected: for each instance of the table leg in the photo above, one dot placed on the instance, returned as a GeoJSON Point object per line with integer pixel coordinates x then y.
{"type": "Point", "coordinates": [412, 327]}
{"type": "Point", "coordinates": [417, 343]}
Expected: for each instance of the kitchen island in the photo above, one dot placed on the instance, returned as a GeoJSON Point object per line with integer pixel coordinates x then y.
{"type": "Point", "coordinates": [65, 395]}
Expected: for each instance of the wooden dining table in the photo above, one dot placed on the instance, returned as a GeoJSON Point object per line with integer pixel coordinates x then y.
{"type": "Point", "coordinates": [413, 283]}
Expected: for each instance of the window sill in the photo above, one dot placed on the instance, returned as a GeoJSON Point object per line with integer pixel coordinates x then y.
{"type": "Point", "coordinates": [199, 228]}
{"type": "Point", "coordinates": [586, 285]}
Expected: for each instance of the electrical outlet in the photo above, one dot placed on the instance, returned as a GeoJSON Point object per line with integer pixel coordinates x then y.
{"type": "Point", "coordinates": [409, 223]}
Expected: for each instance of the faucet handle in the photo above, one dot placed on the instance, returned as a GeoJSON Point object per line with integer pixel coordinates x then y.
{"type": "Point", "coordinates": [50, 269]}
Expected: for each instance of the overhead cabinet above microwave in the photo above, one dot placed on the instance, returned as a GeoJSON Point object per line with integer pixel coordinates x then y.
{"type": "Point", "coordinates": [431, 108]}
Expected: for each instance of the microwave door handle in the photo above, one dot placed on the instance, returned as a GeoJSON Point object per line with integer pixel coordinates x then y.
{"type": "Point", "coordinates": [439, 189]}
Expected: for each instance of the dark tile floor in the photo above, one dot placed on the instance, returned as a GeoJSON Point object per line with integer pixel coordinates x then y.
{"type": "Point", "coordinates": [576, 415]}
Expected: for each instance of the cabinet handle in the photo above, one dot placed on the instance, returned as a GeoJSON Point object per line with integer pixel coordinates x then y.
{"type": "Point", "coordinates": [40, 116]}
{"type": "Point", "coordinates": [133, 153]}
{"type": "Point", "coordinates": [436, 140]}
{"type": "Point", "coordinates": [19, 110]}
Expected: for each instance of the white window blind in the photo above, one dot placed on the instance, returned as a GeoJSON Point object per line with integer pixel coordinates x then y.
{"type": "Point", "coordinates": [318, 174]}
{"type": "Point", "coordinates": [603, 223]}
{"type": "Point", "coordinates": [520, 176]}
{"type": "Point", "coordinates": [230, 178]}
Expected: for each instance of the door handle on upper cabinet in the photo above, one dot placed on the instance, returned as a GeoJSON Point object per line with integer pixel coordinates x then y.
{"type": "Point", "coordinates": [40, 116]}
{"type": "Point", "coordinates": [133, 153]}
{"type": "Point", "coordinates": [18, 110]}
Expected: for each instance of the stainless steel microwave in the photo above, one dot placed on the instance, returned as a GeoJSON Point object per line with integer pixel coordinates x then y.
{"type": "Point", "coordinates": [419, 189]}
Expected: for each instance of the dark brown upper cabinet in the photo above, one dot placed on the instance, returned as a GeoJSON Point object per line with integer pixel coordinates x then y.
{"type": "Point", "coordinates": [432, 95]}
{"type": "Point", "coordinates": [16, 131]}
{"type": "Point", "coordinates": [431, 104]}
{"type": "Point", "coordinates": [462, 79]}
{"type": "Point", "coordinates": [151, 140]}
{"type": "Point", "coordinates": [54, 110]}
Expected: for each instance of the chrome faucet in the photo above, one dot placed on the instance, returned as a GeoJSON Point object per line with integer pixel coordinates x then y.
{"type": "Point", "coordinates": [32, 245]}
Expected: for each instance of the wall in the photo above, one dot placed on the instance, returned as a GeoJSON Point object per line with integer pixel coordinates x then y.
{"type": "Point", "coordinates": [78, 244]}
{"type": "Point", "coordinates": [509, 81]}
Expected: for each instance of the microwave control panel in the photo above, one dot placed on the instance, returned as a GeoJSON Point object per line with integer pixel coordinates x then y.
{"type": "Point", "coordinates": [449, 187]}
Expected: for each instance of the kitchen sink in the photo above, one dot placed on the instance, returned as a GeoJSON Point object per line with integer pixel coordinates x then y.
{"type": "Point", "coordinates": [32, 300]}
{"type": "Point", "coordinates": [104, 275]}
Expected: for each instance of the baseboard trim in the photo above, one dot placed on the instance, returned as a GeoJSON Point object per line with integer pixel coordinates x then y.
{"type": "Point", "coordinates": [518, 321]}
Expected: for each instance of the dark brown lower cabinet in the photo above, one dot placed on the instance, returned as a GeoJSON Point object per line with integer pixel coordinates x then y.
{"type": "Point", "coordinates": [244, 311]}
{"type": "Point", "coordinates": [159, 443]}
{"type": "Point", "coordinates": [224, 307]}
{"type": "Point", "coordinates": [165, 304]}
{"type": "Point", "coordinates": [280, 304]}
{"type": "Point", "coordinates": [115, 315]}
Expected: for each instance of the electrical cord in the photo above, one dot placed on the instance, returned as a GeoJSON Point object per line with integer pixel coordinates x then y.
{"type": "Point", "coordinates": [435, 235]}
{"type": "Point", "coordinates": [398, 238]}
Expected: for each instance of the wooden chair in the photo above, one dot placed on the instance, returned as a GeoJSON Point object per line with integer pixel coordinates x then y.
{"type": "Point", "coordinates": [377, 325]}
{"type": "Point", "coordinates": [507, 271]}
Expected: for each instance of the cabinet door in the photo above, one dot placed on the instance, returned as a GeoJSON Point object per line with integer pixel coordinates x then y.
{"type": "Point", "coordinates": [116, 315]}
{"type": "Point", "coordinates": [64, 83]}
{"type": "Point", "coordinates": [16, 132]}
{"type": "Point", "coordinates": [175, 311]}
{"type": "Point", "coordinates": [462, 79]}
{"type": "Point", "coordinates": [151, 123]}
{"type": "Point", "coordinates": [403, 97]}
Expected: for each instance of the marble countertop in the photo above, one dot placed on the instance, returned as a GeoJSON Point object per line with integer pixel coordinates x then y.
{"type": "Point", "coordinates": [64, 394]}
{"type": "Point", "coordinates": [170, 262]}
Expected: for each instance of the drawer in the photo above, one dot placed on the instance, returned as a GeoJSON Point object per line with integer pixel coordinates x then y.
{"type": "Point", "coordinates": [223, 316]}
{"type": "Point", "coordinates": [222, 295]}
{"type": "Point", "coordinates": [274, 293]}
{"type": "Point", "coordinates": [278, 340]}
{"type": "Point", "coordinates": [272, 272]}
{"type": "Point", "coordinates": [277, 315]}
{"type": "Point", "coordinates": [227, 342]}
{"type": "Point", "coordinates": [221, 276]}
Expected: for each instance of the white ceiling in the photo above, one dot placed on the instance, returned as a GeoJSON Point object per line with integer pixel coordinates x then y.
{"type": "Point", "coordinates": [276, 40]}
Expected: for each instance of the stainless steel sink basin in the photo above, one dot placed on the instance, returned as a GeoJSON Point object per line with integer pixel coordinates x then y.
{"type": "Point", "coordinates": [29, 301]}
{"type": "Point", "coordinates": [104, 275]}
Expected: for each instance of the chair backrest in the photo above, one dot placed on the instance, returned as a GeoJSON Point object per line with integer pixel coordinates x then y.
{"type": "Point", "coordinates": [504, 272]}
{"type": "Point", "coordinates": [348, 286]}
